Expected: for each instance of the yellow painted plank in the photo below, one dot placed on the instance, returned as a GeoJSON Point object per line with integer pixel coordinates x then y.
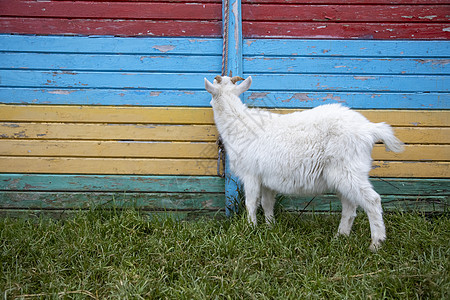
{"type": "Point", "coordinates": [63, 148]}
{"type": "Point", "coordinates": [423, 135]}
{"type": "Point", "coordinates": [415, 118]}
{"type": "Point", "coordinates": [414, 153]}
{"type": "Point", "coordinates": [188, 115]}
{"type": "Point", "coordinates": [411, 169]}
{"type": "Point", "coordinates": [413, 135]}
{"type": "Point", "coordinates": [65, 165]}
{"type": "Point", "coordinates": [108, 166]}
{"type": "Point", "coordinates": [106, 114]}
{"type": "Point", "coordinates": [83, 131]}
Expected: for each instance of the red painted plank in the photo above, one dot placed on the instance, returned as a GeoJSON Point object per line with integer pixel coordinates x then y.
{"type": "Point", "coordinates": [386, 2]}
{"type": "Point", "coordinates": [114, 10]}
{"type": "Point", "coordinates": [346, 30]}
{"type": "Point", "coordinates": [346, 13]}
{"type": "Point", "coordinates": [110, 27]}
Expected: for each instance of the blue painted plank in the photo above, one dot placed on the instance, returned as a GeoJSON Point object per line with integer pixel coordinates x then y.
{"type": "Point", "coordinates": [370, 83]}
{"type": "Point", "coordinates": [111, 183]}
{"type": "Point", "coordinates": [85, 79]}
{"type": "Point", "coordinates": [374, 100]}
{"type": "Point", "coordinates": [194, 81]}
{"type": "Point", "coordinates": [105, 97]}
{"type": "Point", "coordinates": [107, 62]}
{"type": "Point", "coordinates": [269, 99]}
{"type": "Point", "coordinates": [143, 46]}
{"type": "Point", "coordinates": [354, 48]}
{"type": "Point", "coordinates": [345, 65]}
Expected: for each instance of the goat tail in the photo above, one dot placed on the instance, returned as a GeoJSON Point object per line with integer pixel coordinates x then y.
{"type": "Point", "coordinates": [383, 132]}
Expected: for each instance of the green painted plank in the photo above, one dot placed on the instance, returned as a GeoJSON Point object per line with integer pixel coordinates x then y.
{"type": "Point", "coordinates": [111, 183]}
{"type": "Point", "coordinates": [146, 201]}
{"type": "Point", "coordinates": [389, 202]}
{"type": "Point", "coordinates": [66, 214]}
{"type": "Point", "coordinates": [191, 184]}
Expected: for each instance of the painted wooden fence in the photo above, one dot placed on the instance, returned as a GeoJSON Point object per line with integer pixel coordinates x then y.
{"type": "Point", "coordinates": [102, 102]}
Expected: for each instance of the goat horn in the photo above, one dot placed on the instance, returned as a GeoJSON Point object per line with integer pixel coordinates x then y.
{"type": "Point", "coordinates": [236, 79]}
{"type": "Point", "coordinates": [218, 78]}
{"type": "Point", "coordinates": [231, 74]}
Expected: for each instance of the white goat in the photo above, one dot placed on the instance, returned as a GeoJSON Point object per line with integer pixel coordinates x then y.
{"type": "Point", "coordinates": [327, 148]}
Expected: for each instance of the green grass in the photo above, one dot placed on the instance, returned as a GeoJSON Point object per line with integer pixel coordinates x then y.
{"type": "Point", "coordinates": [123, 254]}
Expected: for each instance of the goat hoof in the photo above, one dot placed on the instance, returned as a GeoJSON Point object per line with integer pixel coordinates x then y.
{"type": "Point", "coordinates": [375, 246]}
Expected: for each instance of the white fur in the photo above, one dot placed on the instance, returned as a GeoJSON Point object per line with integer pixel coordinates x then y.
{"type": "Point", "coordinates": [327, 148]}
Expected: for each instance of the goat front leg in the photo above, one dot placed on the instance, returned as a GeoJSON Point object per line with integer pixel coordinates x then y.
{"type": "Point", "coordinates": [252, 194]}
{"type": "Point", "coordinates": [268, 203]}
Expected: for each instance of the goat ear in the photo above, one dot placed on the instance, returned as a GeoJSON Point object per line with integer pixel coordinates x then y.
{"type": "Point", "coordinates": [244, 86]}
{"type": "Point", "coordinates": [210, 87]}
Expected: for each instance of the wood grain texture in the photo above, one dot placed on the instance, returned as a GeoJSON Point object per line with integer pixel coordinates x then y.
{"type": "Point", "coordinates": [130, 149]}
{"type": "Point", "coordinates": [333, 20]}
{"type": "Point", "coordinates": [110, 27]}
{"type": "Point", "coordinates": [330, 12]}
{"type": "Point", "coordinates": [119, 183]}
{"type": "Point", "coordinates": [112, 10]}
{"type": "Point", "coordinates": [124, 132]}
{"type": "Point", "coordinates": [58, 148]}
{"type": "Point", "coordinates": [66, 165]}
{"type": "Point", "coordinates": [106, 114]}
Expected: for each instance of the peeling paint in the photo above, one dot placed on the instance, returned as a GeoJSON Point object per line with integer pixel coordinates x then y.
{"type": "Point", "coordinates": [155, 94]}
{"type": "Point", "coordinates": [256, 95]}
{"type": "Point", "coordinates": [164, 48]}
{"type": "Point", "coordinates": [428, 17]}
{"type": "Point", "coordinates": [446, 29]}
{"type": "Point", "coordinates": [363, 78]}
{"type": "Point", "coordinates": [60, 92]}
{"type": "Point", "coordinates": [434, 62]}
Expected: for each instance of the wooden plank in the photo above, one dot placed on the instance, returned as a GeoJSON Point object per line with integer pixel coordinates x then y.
{"type": "Point", "coordinates": [117, 97]}
{"type": "Point", "coordinates": [404, 118]}
{"type": "Point", "coordinates": [87, 79]}
{"type": "Point", "coordinates": [333, 82]}
{"type": "Point", "coordinates": [357, 100]}
{"type": "Point", "coordinates": [110, 62]}
{"type": "Point", "coordinates": [413, 153]}
{"type": "Point", "coordinates": [345, 65]}
{"type": "Point", "coordinates": [106, 114]}
{"type": "Point", "coordinates": [327, 30]}
{"type": "Point", "coordinates": [52, 148]}
{"type": "Point", "coordinates": [200, 167]}
{"type": "Point", "coordinates": [330, 203]}
{"type": "Point", "coordinates": [180, 215]}
{"type": "Point", "coordinates": [113, 183]}
{"type": "Point", "coordinates": [387, 2]}
{"type": "Point", "coordinates": [270, 99]}
{"type": "Point", "coordinates": [116, 27]}
{"type": "Point", "coordinates": [195, 81]}
{"type": "Point", "coordinates": [188, 184]}
{"type": "Point", "coordinates": [112, 10]}
{"type": "Point", "coordinates": [111, 45]}
{"type": "Point", "coordinates": [124, 132]}
{"type": "Point", "coordinates": [84, 200]}
{"type": "Point", "coordinates": [345, 13]}
{"type": "Point", "coordinates": [417, 135]}
{"type": "Point", "coordinates": [354, 48]}
{"type": "Point", "coordinates": [411, 169]}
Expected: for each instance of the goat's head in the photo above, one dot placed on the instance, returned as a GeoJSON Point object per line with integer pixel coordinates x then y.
{"type": "Point", "coordinates": [227, 84]}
